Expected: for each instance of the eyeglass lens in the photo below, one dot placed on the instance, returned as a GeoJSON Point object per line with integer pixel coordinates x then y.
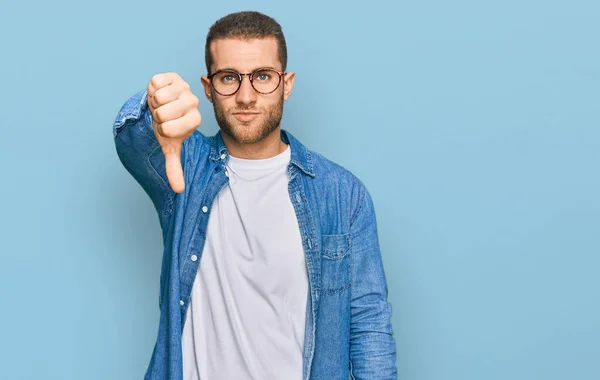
{"type": "Point", "coordinates": [264, 81]}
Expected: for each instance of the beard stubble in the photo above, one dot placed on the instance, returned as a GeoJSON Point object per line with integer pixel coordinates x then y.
{"type": "Point", "coordinates": [246, 132]}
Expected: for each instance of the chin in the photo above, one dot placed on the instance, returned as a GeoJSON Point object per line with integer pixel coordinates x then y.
{"type": "Point", "coordinates": [249, 132]}
{"type": "Point", "coordinates": [245, 132]}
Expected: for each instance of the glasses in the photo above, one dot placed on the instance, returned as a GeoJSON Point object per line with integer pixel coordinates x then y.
{"type": "Point", "coordinates": [263, 81]}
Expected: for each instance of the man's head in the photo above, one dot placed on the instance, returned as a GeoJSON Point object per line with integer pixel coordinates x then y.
{"type": "Point", "coordinates": [244, 42]}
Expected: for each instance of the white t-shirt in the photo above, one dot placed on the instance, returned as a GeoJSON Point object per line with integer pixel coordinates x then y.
{"type": "Point", "coordinates": [248, 303]}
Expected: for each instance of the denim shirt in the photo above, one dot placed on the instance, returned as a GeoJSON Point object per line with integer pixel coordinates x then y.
{"type": "Point", "coordinates": [348, 329]}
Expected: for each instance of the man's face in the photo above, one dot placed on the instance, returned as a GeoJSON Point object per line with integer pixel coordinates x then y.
{"type": "Point", "coordinates": [247, 116]}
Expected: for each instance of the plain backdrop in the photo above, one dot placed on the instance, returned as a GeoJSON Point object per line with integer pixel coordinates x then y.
{"type": "Point", "coordinates": [474, 124]}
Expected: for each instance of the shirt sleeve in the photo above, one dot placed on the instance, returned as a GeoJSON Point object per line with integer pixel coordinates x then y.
{"type": "Point", "coordinates": [140, 153]}
{"type": "Point", "coordinates": [372, 344]}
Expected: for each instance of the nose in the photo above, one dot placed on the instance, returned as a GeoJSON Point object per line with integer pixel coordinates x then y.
{"type": "Point", "coordinates": [246, 94]}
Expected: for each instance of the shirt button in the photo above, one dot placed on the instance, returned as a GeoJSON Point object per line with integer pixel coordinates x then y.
{"type": "Point", "coordinates": [223, 155]}
{"type": "Point", "coordinates": [226, 173]}
{"type": "Point", "coordinates": [194, 257]}
{"type": "Point", "coordinates": [181, 302]}
{"type": "Point", "coordinates": [204, 209]}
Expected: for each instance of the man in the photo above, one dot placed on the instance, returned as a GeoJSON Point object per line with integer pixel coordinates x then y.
{"type": "Point", "coordinates": [291, 283]}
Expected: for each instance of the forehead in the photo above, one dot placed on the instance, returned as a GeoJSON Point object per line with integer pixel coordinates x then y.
{"type": "Point", "coordinates": [245, 55]}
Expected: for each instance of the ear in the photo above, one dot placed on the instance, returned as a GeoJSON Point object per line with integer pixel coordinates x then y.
{"type": "Point", "coordinates": [288, 84]}
{"type": "Point", "coordinates": [207, 87]}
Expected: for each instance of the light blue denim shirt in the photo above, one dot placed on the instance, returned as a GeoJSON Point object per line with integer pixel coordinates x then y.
{"type": "Point", "coordinates": [348, 328]}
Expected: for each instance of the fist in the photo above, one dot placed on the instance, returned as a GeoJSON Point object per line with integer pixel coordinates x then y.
{"type": "Point", "coordinates": [175, 116]}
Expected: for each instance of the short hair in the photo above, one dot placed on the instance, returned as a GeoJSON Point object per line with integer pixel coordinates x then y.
{"type": "Point", "coordinates": [246, 25]}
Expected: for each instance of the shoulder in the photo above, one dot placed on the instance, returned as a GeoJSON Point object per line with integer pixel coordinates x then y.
{"type": "Point", "coordinates": [338, 183]}
{"type": "Point", "coordinates": [329, 170]}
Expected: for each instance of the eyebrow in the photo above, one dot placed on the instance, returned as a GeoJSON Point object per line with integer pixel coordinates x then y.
{"type": "Point", "coordinates": [237, 71]}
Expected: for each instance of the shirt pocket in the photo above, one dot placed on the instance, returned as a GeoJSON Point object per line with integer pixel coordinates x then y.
{"type": "Point", "coordinates": [335, 263]}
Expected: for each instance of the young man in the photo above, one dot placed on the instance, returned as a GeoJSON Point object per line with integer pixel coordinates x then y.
{"type": "Point", "coordinates": [291, 283]}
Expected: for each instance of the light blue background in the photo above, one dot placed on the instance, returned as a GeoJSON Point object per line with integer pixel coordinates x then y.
{"type": "Point", "coordinates": [474, 125]}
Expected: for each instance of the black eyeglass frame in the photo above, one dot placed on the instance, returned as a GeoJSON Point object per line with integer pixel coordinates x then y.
{"type": "Point", "coordinates": [241, 78]}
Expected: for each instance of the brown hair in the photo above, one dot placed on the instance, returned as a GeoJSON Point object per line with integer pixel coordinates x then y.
{"type": "Point", "coordinates": [245, 25]}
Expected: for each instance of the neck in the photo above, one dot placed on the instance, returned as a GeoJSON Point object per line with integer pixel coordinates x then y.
{"type": "Point", "coordinates": [270, 146]}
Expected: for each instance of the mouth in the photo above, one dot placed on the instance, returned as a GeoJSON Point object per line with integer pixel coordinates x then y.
{"type": "Point", "coordinates": [245, 116]}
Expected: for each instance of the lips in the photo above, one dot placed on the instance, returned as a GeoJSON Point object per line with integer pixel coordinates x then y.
{"type": "Point", "coordinates": [245, 116]}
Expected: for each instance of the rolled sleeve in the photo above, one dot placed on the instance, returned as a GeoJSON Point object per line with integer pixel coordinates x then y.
{"type": "Point", "coordinates": [140, 153]}
{"type": "Point", "coordinates": [372, 343]}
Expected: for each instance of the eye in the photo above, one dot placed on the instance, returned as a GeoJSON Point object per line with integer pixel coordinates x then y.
{"type": "Point", "coordinates": [263, 76]}
{"type": "Point", "coordinates": [226, 78]}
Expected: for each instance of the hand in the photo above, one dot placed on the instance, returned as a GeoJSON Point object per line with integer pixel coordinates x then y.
{"type": "Point", "coordinates": [175, 116]}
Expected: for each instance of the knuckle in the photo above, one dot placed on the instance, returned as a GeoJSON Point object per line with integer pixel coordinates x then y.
{"type": "Point", "coordinates": [197, 118]}
{"type": "Point", "coordinates": [190, 99]}
{"type": "Point", "coordinates": [160, 114]}
{"type": "Point", "coordinates": [168, 130]}
{"type": "Point", "coordinates": [184, 91]}
{"type": "Point", "coordinates": [159, 98]}
{"type": "Point", "coordinates": [157, 80]}
{"type": "Point", "coordinates": [194, 119]}
{"type": "Point", "coordinates": [159, 129]}
{"type": "Point", "coordinates": [195, 101]}
{"type": "Point", "coordinates": [155, 117]}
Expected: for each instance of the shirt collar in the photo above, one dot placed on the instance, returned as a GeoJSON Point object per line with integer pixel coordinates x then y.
{"type": "Point", "coordinates": [301, 156]}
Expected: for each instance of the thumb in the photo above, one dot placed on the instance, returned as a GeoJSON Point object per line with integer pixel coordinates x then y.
{"type": "Point", "coordinates": [172, 152]}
